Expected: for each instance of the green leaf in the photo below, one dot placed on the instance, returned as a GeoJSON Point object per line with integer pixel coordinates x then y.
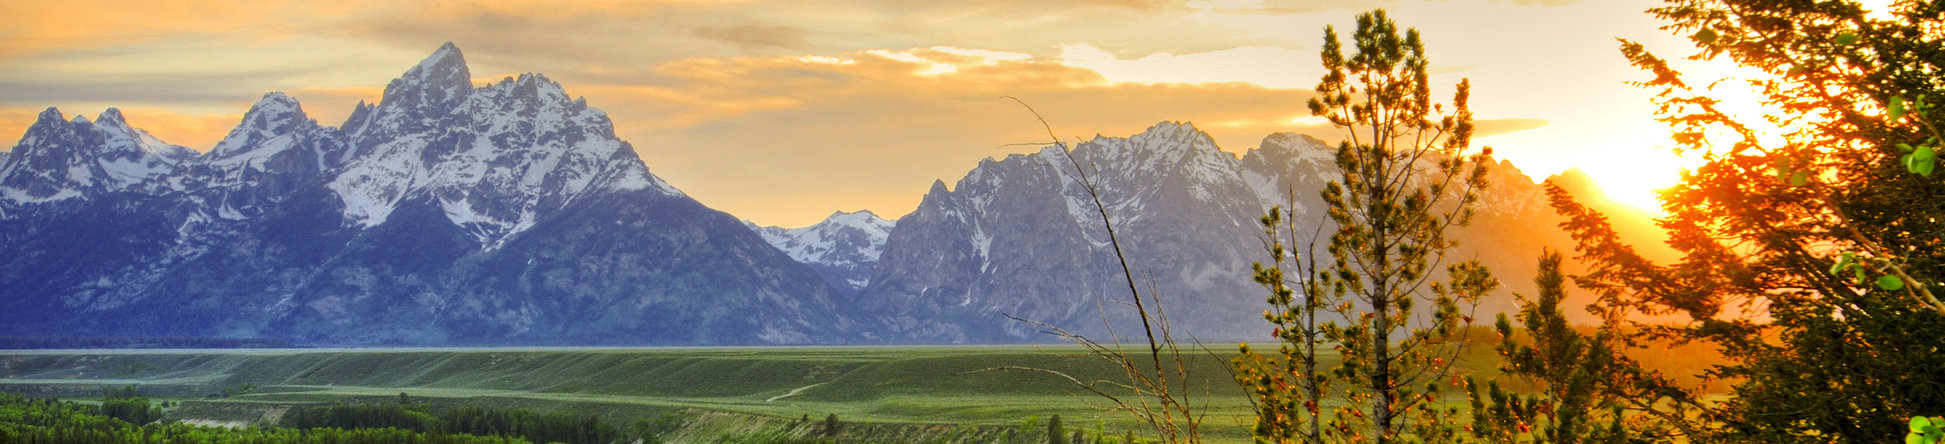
{"type": "Point", "coordinates": [1860, 274]}
{"type": "Point", "coordinates": [1892, 283]}
{"type": "Point", "coordinates": [1843, 262]}
{"type": "Point", "coordinates": [1921, 160]}
{"type": "Point", "coordinates": [1705, 36]}
{"type": "Point", "coordinates": [1895, 109]}
{"type": "Point", "coordinates": [1918, 423]}
{"type": "Point", "coordinates": [1914, 438]}
{"type": "Point", "coordinates": [1799, 178]}
{"type": "Point", "coordinates": [1846, 39]}
{"type": "Point", "coordinates": [1905, 147]}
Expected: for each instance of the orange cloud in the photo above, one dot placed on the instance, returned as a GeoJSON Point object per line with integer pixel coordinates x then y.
{"type": "Point", "coordinates": [331, 105]}
{"type": "Point", "coordinates": [36, 27]}
{"type": "Point", "coordinates": [786, 140]}
{"type": "Point", "coordinates": [198, 131]}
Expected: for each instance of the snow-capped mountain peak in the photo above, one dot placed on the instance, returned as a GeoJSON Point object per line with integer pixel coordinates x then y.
{"type": "Point", "coordinates": [1289, 163]}
{"type": "Point", "coordinates": [495, 158]}
{"type": "Point", "coordinates": [274, 115]}
{"type": "Point", "coordinates": [443, 214]}
{"type": "Point", "coordinates": [130, 142]}
{"type": "Point", "coordinates": [864, 219]}
{"type": "Point", "coordinates": [843, 248]}
{"type": "Point", "coordinates": [61, 159]}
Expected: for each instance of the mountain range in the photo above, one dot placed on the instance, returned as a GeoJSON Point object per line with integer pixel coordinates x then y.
{"type": "Point", "coordinates": [444, 214]}
{"type": "Point", "coordinates": [510, 214]}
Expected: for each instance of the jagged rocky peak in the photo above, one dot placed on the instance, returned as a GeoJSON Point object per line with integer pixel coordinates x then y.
{"type": "Point", "coordinates": [50, 129]}
{"type": "Point", "coordinates": [1293, 146]}
{"type": "Point", "coordinates": [1166, 146]}
{"type": "Point", "coordinates": [58, 159]}
{"type": "Point", "coordinates": [1287, 169]}
{"type": "Point", "coordinates": [860, 218]}
{"type": "Point", "coordinates": [1162, 143]}
{"type": "Point", "coordinates": [130, 143]}
{"type": "Point", "coordinates": [843, 248]}
{"type": "Point", "coordinates": [532, 88]}
{"type": "Point", "coordinates": [844, 236]}
{"type": "Point", "coordinates": [534, 105]}
{"type": "Point", "coordinates": [274, 115]}
{"type": "Point", "coordinates": [495, 158]}
{"type": "Point", "coordinates": [439, 81]}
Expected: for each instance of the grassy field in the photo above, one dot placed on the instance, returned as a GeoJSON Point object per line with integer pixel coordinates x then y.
{"type": "Point", "coordinates": [904, 385]}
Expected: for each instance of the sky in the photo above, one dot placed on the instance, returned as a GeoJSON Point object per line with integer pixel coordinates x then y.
{"type": "Point", "coordinates": [783, 112]}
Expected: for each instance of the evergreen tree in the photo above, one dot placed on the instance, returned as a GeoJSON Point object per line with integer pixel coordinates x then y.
{"type": "Point", "coordinates": [1573, 374]}
{"type": "Point", "coordinates": [1406, 180]}
{"type": "Point", "coordinates": [1809, 251]}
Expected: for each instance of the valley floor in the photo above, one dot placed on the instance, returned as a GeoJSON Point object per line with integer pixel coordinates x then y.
{"type": "Point", "coordinates": [905, 394]}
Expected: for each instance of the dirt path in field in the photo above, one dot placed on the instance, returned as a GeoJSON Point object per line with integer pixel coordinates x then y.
{"type": "Point", "coordinates": [793, 392]}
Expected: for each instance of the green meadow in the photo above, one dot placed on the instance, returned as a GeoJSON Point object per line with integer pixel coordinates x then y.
{"type": "Point", "coordinates": [912, 386]}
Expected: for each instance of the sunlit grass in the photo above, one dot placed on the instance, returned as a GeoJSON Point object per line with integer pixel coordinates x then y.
{"type": "Point", "coordinates": [931, 385]}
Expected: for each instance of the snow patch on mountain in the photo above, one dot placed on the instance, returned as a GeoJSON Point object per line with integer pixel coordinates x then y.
{"type": "Point", "coordinates": [844, 247]}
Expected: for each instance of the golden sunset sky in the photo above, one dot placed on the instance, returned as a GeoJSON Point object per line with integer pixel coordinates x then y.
{"type": "Point", "coordinates": [782, 112]}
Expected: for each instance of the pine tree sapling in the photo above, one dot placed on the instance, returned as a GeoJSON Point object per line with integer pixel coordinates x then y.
{"type": "Point", "coordinates": [1407, 179]}
{"type": "Point", "coordinates": [1568, 368]}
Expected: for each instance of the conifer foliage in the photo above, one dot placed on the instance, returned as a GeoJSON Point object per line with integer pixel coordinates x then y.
{"type": "Point", "coordinates": [1407, 179]}
{"type": "Point", "coordinates": [1811, 240]}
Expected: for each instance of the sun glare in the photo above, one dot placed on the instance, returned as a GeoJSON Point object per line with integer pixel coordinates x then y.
{"type": "Point", "coordinates": [1634, 180]}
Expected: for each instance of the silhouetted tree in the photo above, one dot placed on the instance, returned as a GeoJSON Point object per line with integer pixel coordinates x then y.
{"type": "Point", "coordinates": [1809, 251]}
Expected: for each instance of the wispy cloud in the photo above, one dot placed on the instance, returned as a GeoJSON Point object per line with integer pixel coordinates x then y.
{"type": "Point", "coordinates": [752, 36]}
{"type": "Point", "coordinates": [801, 129]}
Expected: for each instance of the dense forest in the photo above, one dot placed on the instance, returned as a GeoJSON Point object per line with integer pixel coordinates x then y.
{"type": "Point", "coordinates": [25, 420]}
{"type": "Point", "coordinates": [123, 417]}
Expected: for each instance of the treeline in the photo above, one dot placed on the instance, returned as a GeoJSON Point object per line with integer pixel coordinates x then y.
{"type": "Point", "coordinates": [60, 342]}
{"type": "Point", "coordinates": [34, 421]}
{"type": "Point", "coordinates": [532, 426]}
